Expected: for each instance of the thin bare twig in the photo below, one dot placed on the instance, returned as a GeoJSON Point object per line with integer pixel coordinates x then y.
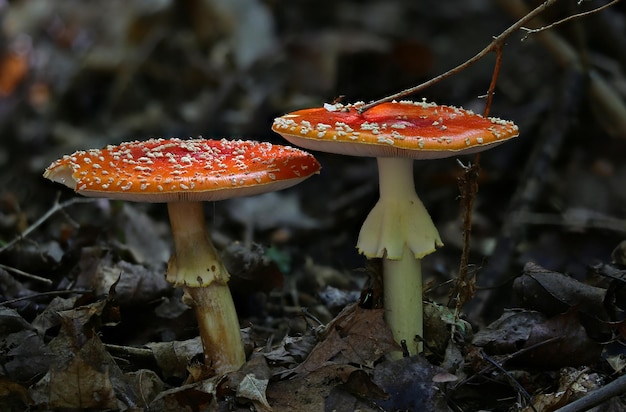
{"type": "Point", "coordinates": [130, 351]}
{"type": "Point", "coordinates": [507, 358]}
{"type": "Point", "coordinates": [55, 208]}
{"type": "Point", "coordinates": [512, 380]}
{"type": "Point", "coordinates": [530, 31]}
{"type": "Point", "coordinates": [497, 42]}
{"type": "Point", "coordinates": [49, 293]}
{"type": "Point", "coordinates": [25, 274]}
{"type": "Point", "coordinates": [609, 107]}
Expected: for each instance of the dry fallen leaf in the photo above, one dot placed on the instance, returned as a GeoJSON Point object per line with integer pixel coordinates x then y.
{"type": "Point", "coordinates": [438, 322]}
{"type": "Point", "coordinates": [551, 293]}
{"type": "Point", "coordinates": [173, 357]}
{"type": "Point", "coordinates": [146, 384]}
{"type": "Point", "coordinates": [23, 353]}
{"type": "Point", "coordinates": [135, 284]}
{"type": "Point", "coordinates": [142, 238]}
{"type": "Point", "coordinates": [506, 334]}
{"type": "Point", "coordinates": [196, 396]}
{"type": "Point", "coordinates": [356, 336]}
{"type": "Point", "coordinates": [81, 384]}
{"type": "Point", "coordinates": [307, 392]}
{"type": "Point", "coordinates": [49, 318]}
{"type": "Point", "coordinates": [547, 343]}
{"type": "Point", "coordinates": [573, 384]}
{"type": "Point", "coordinates": [253, 389]}
{"type": "Point", "coordinates": [409, 384]}
{"type": "Point", "coordinates": [406, 384]}
{"type": "Point", "coordinates": [250, 383]}
{"type": "Point", "coordinates": [565, 343]}
{"type": "Point", "coordinates": [290, 352]}
{"type": "Point", "coordinates": [10, 391]}
{"type": "Point", "coordinates": [82, 373]}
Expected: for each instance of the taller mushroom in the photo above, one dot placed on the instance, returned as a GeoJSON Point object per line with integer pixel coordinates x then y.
{"type": "Point", "coordinates": [183, 174]}
{"type": "Point", "coordinates": [398, 229]}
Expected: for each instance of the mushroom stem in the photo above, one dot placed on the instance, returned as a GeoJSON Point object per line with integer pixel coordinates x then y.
{"type": "Point", "coordinates": [197, 268]}
{"type": "Point", "coordinates": [400, 231]}
{"type": "Point", "coordinates": [219, 327]}
{"type": "Point", "coordinates": [402, 283]}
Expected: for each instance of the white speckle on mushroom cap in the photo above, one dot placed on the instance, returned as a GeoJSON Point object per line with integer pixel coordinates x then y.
{"type": "Point", "coordinates": [181, 170]}
{"type": "Point", "coordinates": [398, 125]}
{"type": "Point", "coordinates": [333, 107]}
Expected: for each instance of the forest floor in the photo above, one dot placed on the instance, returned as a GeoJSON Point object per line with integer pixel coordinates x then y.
{"type": "Point", "coordinates": [87, 320]}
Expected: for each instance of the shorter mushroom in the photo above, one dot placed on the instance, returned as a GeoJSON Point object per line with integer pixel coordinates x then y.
{"type": "Point", "coordinates": [183, 174]}
{"type": "Point", "coordinates": [398, 229]}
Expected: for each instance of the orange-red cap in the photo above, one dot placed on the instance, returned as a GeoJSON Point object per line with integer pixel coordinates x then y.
{"type": "Point", "coordinates": [416, 130]}
{"type": "Point", "coordinates": [174, 170]}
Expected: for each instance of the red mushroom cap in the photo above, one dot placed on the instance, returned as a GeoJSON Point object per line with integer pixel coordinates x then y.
{"type": "Point", "coordinates": [173, 170]}
{"type": "Point", "coordinates": [416, 130]}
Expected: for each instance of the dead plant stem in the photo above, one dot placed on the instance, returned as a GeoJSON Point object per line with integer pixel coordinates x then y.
{"type": "Point", "coordinates": [465, 285]}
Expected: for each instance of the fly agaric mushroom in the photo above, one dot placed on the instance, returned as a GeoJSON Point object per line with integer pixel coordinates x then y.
{"type": "Point", "coordinates": [398, 229]}
{"type": "Point", "coordinates": [183, 174]}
